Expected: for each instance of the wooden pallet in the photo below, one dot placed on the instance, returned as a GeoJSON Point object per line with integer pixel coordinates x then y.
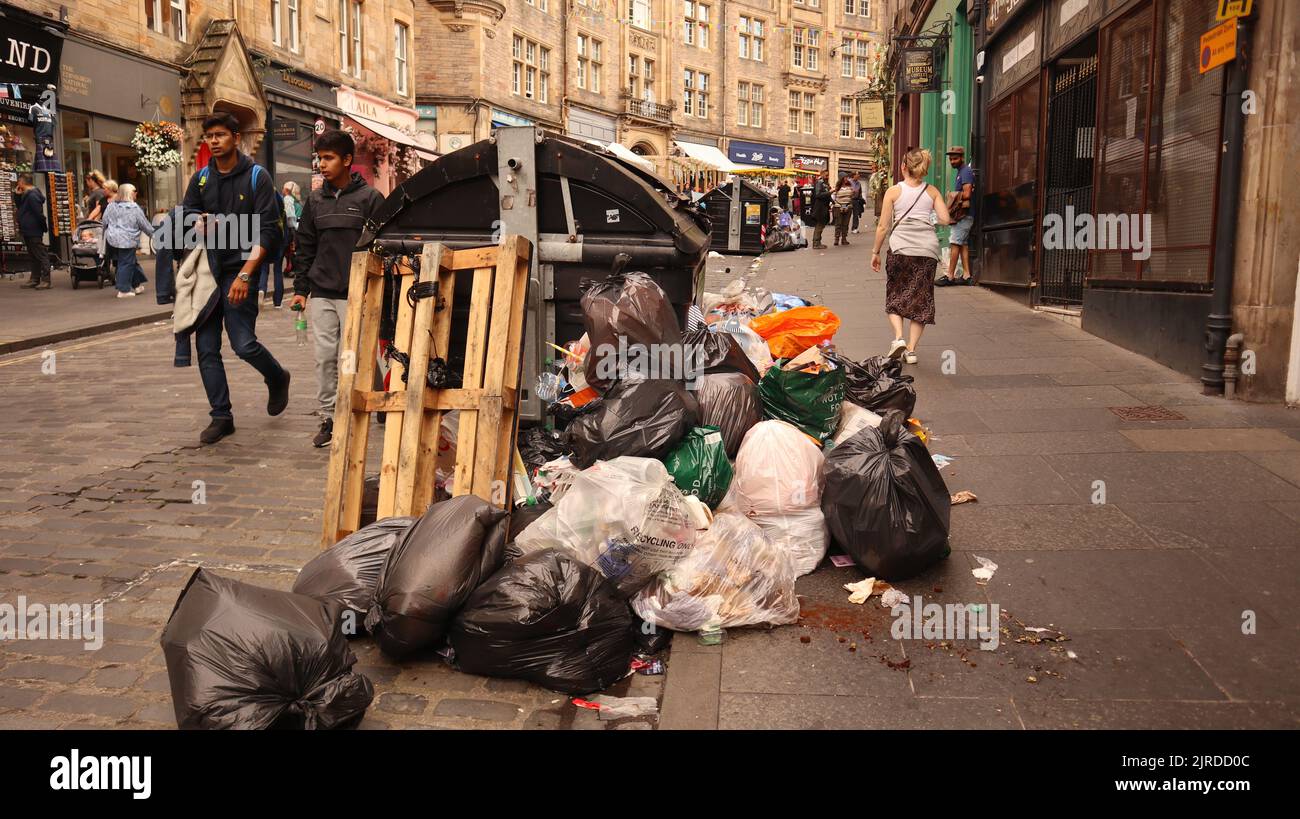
{"type": "Point", "coordinates": [487, 400]}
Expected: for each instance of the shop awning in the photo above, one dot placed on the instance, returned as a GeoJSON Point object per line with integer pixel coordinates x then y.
{"type": "Point", "coordinates": [623, 152]}
{"type": "Point", "coordinates": [278, 97]}
{"type": "Point", "coordinates": [391, 134]}
{"type": "Point", "coordinates": [711, 156]}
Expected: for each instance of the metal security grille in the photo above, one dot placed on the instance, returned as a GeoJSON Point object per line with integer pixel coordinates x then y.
{"type": "Point", "coordinates": [1071, 121]}
{"type": "Point", "coordinates": [1158, 144]}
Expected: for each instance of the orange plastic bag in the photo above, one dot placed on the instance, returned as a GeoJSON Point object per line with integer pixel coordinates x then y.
{"type": "Point", "coordinates": [790, 332]}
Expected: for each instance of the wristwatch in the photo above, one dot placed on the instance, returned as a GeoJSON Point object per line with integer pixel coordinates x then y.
{"type": "Point", "coordinates": [244, 277]}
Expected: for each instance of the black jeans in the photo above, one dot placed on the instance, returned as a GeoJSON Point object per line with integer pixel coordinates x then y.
{"type": "Point", "coordinates": [40, 257]}
{"type": "Point", "coordinates": [241, 328]}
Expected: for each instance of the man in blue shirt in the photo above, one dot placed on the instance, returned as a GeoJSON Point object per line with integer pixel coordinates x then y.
{"type": "Point", "coordinates": [963, 190]}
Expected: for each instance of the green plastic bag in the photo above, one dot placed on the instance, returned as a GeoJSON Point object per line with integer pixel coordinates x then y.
{"type": "Point", "coordinates": [699, 465]}
{"type": "Point", "coordinates": [809, 401]}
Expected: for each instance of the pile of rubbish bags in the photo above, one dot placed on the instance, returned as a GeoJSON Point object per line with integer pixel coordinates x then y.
{"type": "Point", "coordinates": [690, 478]}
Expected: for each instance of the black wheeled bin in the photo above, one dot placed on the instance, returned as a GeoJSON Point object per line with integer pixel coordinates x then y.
{"type": "Point", "coordinates": [737, 221]}
{"type": "Point", "coordinates": [579, 205]}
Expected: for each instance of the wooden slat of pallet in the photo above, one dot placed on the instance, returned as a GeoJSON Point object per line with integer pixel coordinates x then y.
{"type": "Point", "coordinates": [490, 409]}
{"type": "Point", "coordinates": [476, 348]}
{"type": "Point", "coordinates": [426, 468]}
{"type": "Point", "coordinates": [471, 258]}
{"type": "Point", "coordinates": [394, 424]}
{"type": "Point", "coordinates": [413, 445]}
{"type": "Point", "coordinates": [508, 431]}
{"type": "Point", "coordinates": [442, 400]}
{"type": "Point", "coordinates": [345, 478]}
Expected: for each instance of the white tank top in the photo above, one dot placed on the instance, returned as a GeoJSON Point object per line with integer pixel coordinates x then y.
{"type": "Point", "coordinates": [914, 235]}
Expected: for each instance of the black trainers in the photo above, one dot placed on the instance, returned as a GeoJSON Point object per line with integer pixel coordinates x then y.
{"type": "Point", "coordinates": [325, 435]}
{"type": "Point", "coordinates": [278, 397]}
{"type": "Point", "coordinates": [218, 429]}
{"type": "Point", "coordinates": [942, 281]}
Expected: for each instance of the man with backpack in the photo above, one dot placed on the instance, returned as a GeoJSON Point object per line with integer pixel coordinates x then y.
{"type": "Point", "coordinates": [332, 221]}
{"type": "Point", "coordinates": [241, 215]}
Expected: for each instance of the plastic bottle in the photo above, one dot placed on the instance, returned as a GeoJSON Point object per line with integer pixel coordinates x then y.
{"type": "Point", "coordinates": [300, 326]}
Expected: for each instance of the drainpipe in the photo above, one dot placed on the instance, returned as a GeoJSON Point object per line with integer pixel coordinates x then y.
{"type": "Point", "coordinates": [1230, 358]}
{"type": "Point", "coordinates": [1218, 324]}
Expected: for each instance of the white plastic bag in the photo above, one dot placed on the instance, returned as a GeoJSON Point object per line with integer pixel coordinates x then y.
{"type": "Point", "coordinates": [734, 577]}
{"type": "Point", "coordinates": [752, 343]}
{"type": "Point", "coordinates": [778, 470]}
{"type": "Point", "coordinates": [778, 485]}
{"type": "Point", "coordinates": [853, 419]}
{"type": "Point", "coordinates": [623, 516]}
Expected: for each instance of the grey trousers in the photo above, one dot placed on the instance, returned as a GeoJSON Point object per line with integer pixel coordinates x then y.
{"type": "Point", "coordinates": [326, 317]}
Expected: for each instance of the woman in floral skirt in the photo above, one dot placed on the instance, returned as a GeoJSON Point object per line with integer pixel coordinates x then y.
{"type": "Point", "coordinates": [913, 252]}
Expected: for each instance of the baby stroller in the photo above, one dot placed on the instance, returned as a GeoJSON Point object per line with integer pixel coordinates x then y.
{"type": "Point", "coordinates": [89, 262]}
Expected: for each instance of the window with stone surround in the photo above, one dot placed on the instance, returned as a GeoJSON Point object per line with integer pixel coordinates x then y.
{"type": "Point", "coordinates": [589, 63]}
{"type": "Point", "coordinates": [752, 34]}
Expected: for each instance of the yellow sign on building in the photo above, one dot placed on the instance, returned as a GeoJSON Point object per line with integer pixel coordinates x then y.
{"type": "Point", "coordinates": [1228, 9]}
{"type": "Point", "coordinates": [1218, 46]}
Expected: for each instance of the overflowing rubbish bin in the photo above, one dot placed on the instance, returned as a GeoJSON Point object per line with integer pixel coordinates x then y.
{"type": "Point", "coordinates": [737, 212]}
{"type": "Point", "coordinates": [579, 205]}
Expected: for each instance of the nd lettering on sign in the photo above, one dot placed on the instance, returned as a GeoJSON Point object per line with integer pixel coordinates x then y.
{"type": "Point", "coordinates": [1218, 46]}
{"type": "Point", "coordinates": [918, 71]}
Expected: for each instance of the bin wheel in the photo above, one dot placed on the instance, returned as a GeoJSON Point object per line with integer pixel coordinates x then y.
{"type": "Point", "coordinates": [76, 283]}
{"type": "Point", "coordinates": [101, 282]}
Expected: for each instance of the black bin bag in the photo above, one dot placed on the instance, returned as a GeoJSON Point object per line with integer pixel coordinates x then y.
{"type": "Point", "coordinates": [714, 351]}
{"type": "Point", "coordinates": [641, 419]}
{"type": "Point", "coordinates": [241, 656]}
{"type": "Point", "coordinates": [349, 570]}
{"type": "Point", "coordinates": [730, 402]}
{"type": "Point", "coordinates": [635, 308]}
{"type": "Point", "coordinates": [878, 384]}
{"type": "Point", "coordinates": [548, 618]}
{"type": "Point", "coordinates": [443, 557]}
{"type": "Point", "coordinates": [885, 502]}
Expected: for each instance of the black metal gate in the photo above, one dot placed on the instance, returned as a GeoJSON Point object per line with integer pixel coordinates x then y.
{"type": "Point", "coordinates": [1071, 121]}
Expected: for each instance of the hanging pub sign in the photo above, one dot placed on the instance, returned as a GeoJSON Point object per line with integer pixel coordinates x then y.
{"type": "Point", "coordinates": [871, 114]}
{"type": "Point", "coordinates": [918, 70]}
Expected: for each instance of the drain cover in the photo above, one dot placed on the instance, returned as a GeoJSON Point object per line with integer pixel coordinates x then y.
{"type": "Point", "coordinates": [1148, 412]}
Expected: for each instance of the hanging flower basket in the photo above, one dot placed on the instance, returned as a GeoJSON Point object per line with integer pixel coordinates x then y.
{"type": "Point", "coordinates": [157, 145]}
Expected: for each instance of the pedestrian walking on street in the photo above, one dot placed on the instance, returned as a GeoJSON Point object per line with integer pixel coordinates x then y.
{"type": "Point", "coordinates": [821, 208]}
{"type": "Point", "coordinates": [783, 195]}
{"type": "Point", "coordinates": [963, 220]}
{"type": "Point", "coordinates": [233, 187]}
{"type": "Point", "coordinates": [32, 227]}
{"type": "Point", "coordinates": [859, 200]}
{"type": "Point", "coordinates": [332, 221]}
{"type": "Point", "coordinates": [123, 224]}
{"type": "Point", "coordinates": [96, 196]}
{"type": "Point", "coordinates": [913, 252]}
{"type": "Point", "coordinates": [842, 204]}
{"type": "Point", "coordinates": [292, 213]}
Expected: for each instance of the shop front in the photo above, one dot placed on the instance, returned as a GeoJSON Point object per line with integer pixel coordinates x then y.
{"type": "Point", "coordinates": [29, 114]}
{"type": "Point", "coordinates": [697, 164]}
{"type": "Point", "coordinates": [105, 96]}
{"type": "Point", "coordinates": [390, 145]}
{"type": "Point", "coordinates": [1010, 185]}
{"type": "Point", "coordinates": [299, 105]}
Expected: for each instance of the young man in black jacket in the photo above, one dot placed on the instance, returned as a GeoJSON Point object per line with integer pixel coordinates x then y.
{"type": "Point", "coordinates": [333, 218]}
{"type": "Point", "coordinates": [32, 226]}
{"type": "Point", "coordinates": [241, 214]}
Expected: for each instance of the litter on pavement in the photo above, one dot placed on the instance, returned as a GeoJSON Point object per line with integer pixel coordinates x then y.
{"type": "Point", "coordinates": [652, 500]}
{"type": "Point", "coordinates": [985, 572]}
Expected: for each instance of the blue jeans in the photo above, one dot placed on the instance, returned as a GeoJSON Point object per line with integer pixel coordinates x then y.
{"type": "Point", "coordinates": [129, 274]}
{"type": "Point", "coordinates": [278, 295]}
{"type": "Point", "coordinates": [241, 326]}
